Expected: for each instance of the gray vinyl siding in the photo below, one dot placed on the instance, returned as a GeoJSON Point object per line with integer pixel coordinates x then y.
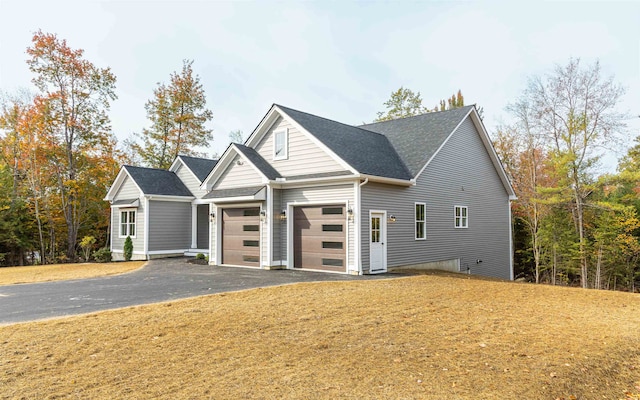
{"type": "Point", "coordinates": [128, 190]}
{"type": "Point", "coordinates": [279, 228]}
{"type": "Point", "coordinates": [203, 226]}
{"type": "Point", "coordinates": [304, 156]}
{"type": "Point", "coordinates": [238, 175]}
{"type": "Point", "coordinates": [169, 225]}
{"type": "Point", "coordinates": [190, 181]}
{"type": "Point", "coordinates": [461, 174]}
{"type": "Point", "coordinates": [320, 195]}
{"type": "Point", "coordinates": [213, 229]}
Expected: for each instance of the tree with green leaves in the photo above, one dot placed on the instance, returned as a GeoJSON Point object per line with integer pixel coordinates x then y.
{"type": "Point", "coordinates": [73, 125]}
{"type": "Point", "coordinates": [178, 116]}
{"type": "Point", "coordinates": [575, 109]}
{"type": "Point", "coordinates": [402, 103]}
{"type": "Point", "coordinates": [407, 103]}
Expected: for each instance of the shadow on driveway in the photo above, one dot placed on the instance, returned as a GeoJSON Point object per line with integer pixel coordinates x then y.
{"type": "Point", "coordinates": [160, 280]}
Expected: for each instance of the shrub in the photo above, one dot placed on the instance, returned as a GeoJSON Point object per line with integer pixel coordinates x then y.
{"type": "Point", "coordinates": [128, 248]}
{"type": "Point", "coordinates": [86, 244]}
{"type": "Point", "coordinates": [102, 255]}
{"type": "Point", "coordinates": [199, 256]}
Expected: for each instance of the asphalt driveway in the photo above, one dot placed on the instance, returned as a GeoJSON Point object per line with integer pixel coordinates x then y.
{"type": "Point", "coordinates": [159, 280]}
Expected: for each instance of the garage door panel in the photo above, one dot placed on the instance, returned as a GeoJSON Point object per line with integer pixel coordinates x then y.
{"type": "Point", "coordinates": [320, 237]}
{"type": "Point", "coordinates": [241, 236]}
{"type": "Point", "coordinates": [323, 261]}
{"type": "Point", "coordinates": [242, 228]}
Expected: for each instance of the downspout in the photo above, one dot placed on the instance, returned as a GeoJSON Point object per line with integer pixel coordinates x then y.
{"type": "Point", "coordinates": [358, 226]}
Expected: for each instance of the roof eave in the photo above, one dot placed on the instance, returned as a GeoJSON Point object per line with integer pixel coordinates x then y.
{"type": "Point", "coordinates": [391, 181]}
{"type": "Point", "coordinates": [166, 197]}
{"type": "Point", "coordinates": [279, 183]}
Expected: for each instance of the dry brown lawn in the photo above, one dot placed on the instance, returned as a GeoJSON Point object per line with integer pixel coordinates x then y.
{"type": "Point", "coordinates": [422, 337]}
{"type": "Point", "coordinates": [59, 272]}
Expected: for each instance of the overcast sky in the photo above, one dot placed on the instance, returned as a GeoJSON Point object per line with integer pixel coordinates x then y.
{"type": "Point", "coordinates": [340, 60]}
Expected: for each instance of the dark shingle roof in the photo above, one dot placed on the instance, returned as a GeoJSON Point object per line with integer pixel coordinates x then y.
{"type": "Point", "coordinates": [257, 160]}
{"type": "Point", "coordinates": [233, 192]}
{"type": "Point", "coordinates": [200, 166]}
{"type": "Point", "coordinates": [368, 152]}
{"type": "Point", "coordinates": [417, 138]}
{"type": "Point", "coordinates": [158, 181]}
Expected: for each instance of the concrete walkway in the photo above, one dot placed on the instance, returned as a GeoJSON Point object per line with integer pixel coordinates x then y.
{"type": "Point", "coordinates": [159, 280]}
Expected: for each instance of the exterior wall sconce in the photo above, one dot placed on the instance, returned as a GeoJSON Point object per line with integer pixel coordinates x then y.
{"type": "Point", "coordinates": [392, 218]}
{"type": "Point", "coordinates": [213, 215]}
{"type": "Point", "coordinates": [350, 213]}
{"type": "Point", "coordinates": [283, 215]}
{"type": "Point", "coordinates": [263, 215]}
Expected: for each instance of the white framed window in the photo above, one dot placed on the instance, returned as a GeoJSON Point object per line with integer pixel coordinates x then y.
{"type": "Point", "coordinates": [461, 216]}
{"type": "Point", "coordinates": [127, 223]}
{"type": "Point", "coordinates": [421, 221]}
{"type": "Point", "coordinates": [281, 144]}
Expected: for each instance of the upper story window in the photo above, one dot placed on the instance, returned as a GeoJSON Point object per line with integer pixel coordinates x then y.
{"type": "Point", "coordinates": [281, 144]}
{"type": "Point", "coordinates": [127, 223]}
{"type": "Point", "coordinates": [461, 216]}
{"type": "Point", "coordinates": [421, 213]}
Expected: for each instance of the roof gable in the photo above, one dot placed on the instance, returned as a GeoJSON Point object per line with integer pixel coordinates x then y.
{"type": "Point", "coordinates": [199, 166]}
{"type": "Point", "coordinates": [248, 154]}
{"type": "Point", "coordinates": [418, 138]}
{"type": "Point", "coordinates": [365, 151]}
{"type": "Point", "coordinates": [160, 182]}
{"type": "Point", "coordinates": [260, 163]}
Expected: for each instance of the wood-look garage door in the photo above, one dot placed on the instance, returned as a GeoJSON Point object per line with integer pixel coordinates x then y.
{"type": "Point", "coordinates": [319, 238]}
{"type": "Point", "coordinates": [241, 236]}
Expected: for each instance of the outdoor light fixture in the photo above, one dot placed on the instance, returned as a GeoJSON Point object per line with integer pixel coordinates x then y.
{"type": "Point", "coordinates": [263, 215]}
{"type": "Point", "coordinates": [213, 215]}
{"type": "Point", "coordinates": [283, 215]}
{"type": "Point", "coordinates": [392, 218]}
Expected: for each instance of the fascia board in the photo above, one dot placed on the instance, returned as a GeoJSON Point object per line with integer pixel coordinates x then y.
{"type": "Point", "coordinates": [263, 127]}
{"type": "Point", "coordinates": [311, 181]}
{"type": "Point", "coordinates": [391, 181]}
{"type": "Point", "coordinates": [163, 197]}
{"type": "Point", "coordinates": [486, 140]}
{"type": "Point", "coordinates": [215, 172]}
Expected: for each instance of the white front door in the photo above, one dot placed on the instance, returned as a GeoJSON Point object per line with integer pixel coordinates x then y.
{"type": "Point", "coordinates": [377, 238]}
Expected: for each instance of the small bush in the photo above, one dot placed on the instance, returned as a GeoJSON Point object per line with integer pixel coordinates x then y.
{"type": "Point", "coordinates": [102, 255]}
{"type": "Point", "coordinates": [128, 248]}
{"type": "Point", "coordinates": [86, 244]}
{"type": "Point", "coordinates": [199, 256]}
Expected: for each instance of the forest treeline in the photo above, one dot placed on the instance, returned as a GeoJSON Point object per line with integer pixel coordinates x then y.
{"type": "Point", "coordinates": [58, 156]}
